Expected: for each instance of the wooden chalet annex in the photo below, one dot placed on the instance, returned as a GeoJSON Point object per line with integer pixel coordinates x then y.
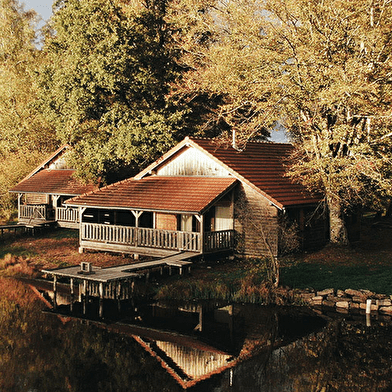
{"type": "Point", "coordinates": [42, 193]}
{"type": "Point", "coordinates": [201, 197]}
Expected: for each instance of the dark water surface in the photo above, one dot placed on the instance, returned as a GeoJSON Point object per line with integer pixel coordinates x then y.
{"type": "Point", "coordinates": [198, 346]}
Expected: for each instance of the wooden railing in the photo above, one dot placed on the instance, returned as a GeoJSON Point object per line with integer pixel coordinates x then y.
{"type": "Point", "coordinates": [107, 233]}
{"type": "Point", "coordinates": [140, 236]}
{"type": "Point", "coordinates": [218, 240]}
{"type": "Point", "coordinates": [169, 239]}
{"type": "Point", "coordinates": [67, 214]}
{"type": "Point", "coordinates": [154, 238]}
{"type": "Point", "coordinates": [33, 212]}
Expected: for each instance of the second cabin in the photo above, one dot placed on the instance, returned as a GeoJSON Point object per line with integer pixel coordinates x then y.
{"type": "Point", "coordinates": [42, 193]}
{"type": "Point", "coordinates": [203, 197]}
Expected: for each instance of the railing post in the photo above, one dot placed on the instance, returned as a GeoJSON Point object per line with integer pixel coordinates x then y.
{"type": "Point", "coordinates": [138, 236]}
{"type": "Point", "coordinates": [181, 242]}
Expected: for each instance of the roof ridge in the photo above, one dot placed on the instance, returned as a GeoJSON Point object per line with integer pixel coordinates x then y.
{"type": "Point", "coordinates": [229, 141]}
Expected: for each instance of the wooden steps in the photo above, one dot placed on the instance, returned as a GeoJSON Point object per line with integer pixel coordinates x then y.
{"type": "Point", "coordinates": [180, 260]}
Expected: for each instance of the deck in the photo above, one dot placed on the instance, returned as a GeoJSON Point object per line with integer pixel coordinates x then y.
{"type": "Point", "coordinates": [11, 228]}
{"type": "Point", "coordinates": [121, 272]}
{"type": "Point", "coordinates": [35, 223]}
{"type": "Point", "coordinates": [112, 282]}
{"type": "Point", "coordinates": [148, 241]}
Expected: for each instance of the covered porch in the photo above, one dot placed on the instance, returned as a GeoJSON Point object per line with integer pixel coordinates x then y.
{"type": "Point", "coordinates": [39, 210]}
{"type": "Point", "coordinates": [42, 194]}
{"type": "Point", "coordinates": [159, 216]}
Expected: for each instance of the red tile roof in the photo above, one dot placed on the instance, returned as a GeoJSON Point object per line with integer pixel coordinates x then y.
{"type": "Point", "coordinates": [262, 165]}
{"type": "Point", "coordinates": [55, 182]}
{"type": "Point", "coordinates": [158, 193]}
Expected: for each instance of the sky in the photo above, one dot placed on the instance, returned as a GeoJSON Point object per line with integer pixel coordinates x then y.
{"type": "Point", "coordinates": [42, 7]}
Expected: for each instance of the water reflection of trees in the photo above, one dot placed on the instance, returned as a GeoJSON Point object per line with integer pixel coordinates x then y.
{"type": "Point", "coordinates": [344, 356]}
{"type": "Point", "coordinates": [38, 352]}
{"type": "Point", "coordinates": [276, 351]}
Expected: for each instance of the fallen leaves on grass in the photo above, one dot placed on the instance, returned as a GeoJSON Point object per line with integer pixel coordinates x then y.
{"type": "Point", "coordinates": [27, 256]}
{"type": "Point", "coordinates": [12, 265]}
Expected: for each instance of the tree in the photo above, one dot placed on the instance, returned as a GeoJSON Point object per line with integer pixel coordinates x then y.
{"type": "Point", "coordinates": [21, 125]}
{"type": "Point", "coordinates": [211, 59]}
{"type": "Point", "coordinates": [320, 67]}
{"type": "Point", "coordinates": [24, 133]}
{"type": "Point", "coordinates": [106, 82]}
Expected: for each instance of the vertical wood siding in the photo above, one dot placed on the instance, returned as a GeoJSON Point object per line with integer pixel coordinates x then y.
{"type": "Point", "coordinates": [192, 162]}
{"type": "Point", "coordinates": [254, 214]}
{"type": "Point", "coordinates": [165, 221]}
{"type": "Point", "coordinates": [36, 198]}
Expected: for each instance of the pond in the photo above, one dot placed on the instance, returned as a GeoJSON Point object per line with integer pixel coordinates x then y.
{"type": "Point", "coordinates": [208, 346]}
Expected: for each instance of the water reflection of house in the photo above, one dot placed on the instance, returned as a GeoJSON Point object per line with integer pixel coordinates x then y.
{"type": "Point", "coordinates": [195, 341]}
{"type": "Point", "coordinates": [188, 356]}
{"type": "Point", "coordinates": [42, 193]}
{"type": "Point", "coordinates": [188, 365]}
{"type": "Point", "coordinates": [202, 197]}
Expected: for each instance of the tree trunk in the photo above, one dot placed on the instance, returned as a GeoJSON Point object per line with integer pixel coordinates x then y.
{"type": "Point", "coordinates": [337, 225]}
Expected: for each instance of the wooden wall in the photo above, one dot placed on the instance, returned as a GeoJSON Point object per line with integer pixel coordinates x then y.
{"type": "Point", "coordinates": [60, 162]}
{"type": "Point", "coordinates": [36, 198]}
{"type": "Point", "coordinates": [192, 162]}
{"type": "Point", "coordinates": [254, 215]}
{"type": "Point", "coordinates": [165, 221]}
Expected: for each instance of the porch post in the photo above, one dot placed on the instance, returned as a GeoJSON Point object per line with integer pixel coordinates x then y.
{"type": "Point", "coordinates": [200, 218]}
{"type": "Point", "coordinates": [85, 296]}
{"type": "Point", "coordinates": [118, 295]}
{"type": "Point", "coordinates": [55, 199]}
{"type": "Point", "coordinates": [81, 211]}
{"type": "Point", "coordinates": [19, 203]}
{"type": "Point", "coordinates": [232, 208]}
{"type": "Point", "coordinates": [137, 215]}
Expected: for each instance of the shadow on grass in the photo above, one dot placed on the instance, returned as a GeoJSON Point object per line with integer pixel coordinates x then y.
{"type": "Point", "coordinates": [58, 233]}
{"type": "Point", "coordinates": [18, 251]}
{"type": "Point", "coordinates": [319, 277]}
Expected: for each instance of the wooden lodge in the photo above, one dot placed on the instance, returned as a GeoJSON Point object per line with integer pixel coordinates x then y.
{"type": "Point", "coordinates": [202, 197]}
{"type": "Point", "coordinates": [159, 216]}
{"type": "Point", "coordinates": [42, 193]}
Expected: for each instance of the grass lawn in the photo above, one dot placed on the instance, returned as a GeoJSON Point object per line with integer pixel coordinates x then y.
{"type": "Point", "coordinates": [366, 264]}
{"type": "Point", "coordinates": [23, 255]}
{"type": "Point", "coordinates": [321, 276]}
{"type": "Point", "coordinates": [363, 265]}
